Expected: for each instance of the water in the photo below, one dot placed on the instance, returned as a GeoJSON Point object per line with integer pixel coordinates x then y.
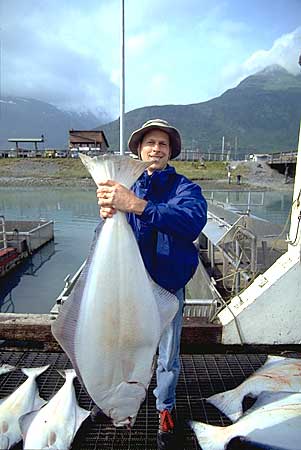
{"type": "Point", "coordinates": [272, 206]}
{"type": "Point", "coordinates": [35, 284]}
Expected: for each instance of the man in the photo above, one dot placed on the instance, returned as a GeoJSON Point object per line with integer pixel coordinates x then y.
{"type": "Point", "coordinates": [167, 213]}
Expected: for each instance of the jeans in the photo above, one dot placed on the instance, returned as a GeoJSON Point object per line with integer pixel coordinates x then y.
{"type": "Point", "coordinates": [168, 368]}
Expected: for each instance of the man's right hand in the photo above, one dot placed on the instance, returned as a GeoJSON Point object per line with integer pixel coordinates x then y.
{"type": "Point", "coordinates": [106, 212]}
{"type": "Point", "coordinates": [113, 196]}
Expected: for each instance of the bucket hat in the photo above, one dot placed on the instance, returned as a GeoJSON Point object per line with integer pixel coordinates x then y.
{"type": "Point", "coordinates": [174, 136]}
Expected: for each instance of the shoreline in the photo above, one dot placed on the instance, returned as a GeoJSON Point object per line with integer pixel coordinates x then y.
{"type": "Point", "coordinates": [212, 176]}
{"type": "Point", "coordinates": [47, 181]}
{"type": "Point", "coordinates": [246, 185]}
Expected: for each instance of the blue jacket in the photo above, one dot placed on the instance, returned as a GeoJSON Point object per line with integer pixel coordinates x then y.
{"type": "Point", "coordinates": [174, 216]}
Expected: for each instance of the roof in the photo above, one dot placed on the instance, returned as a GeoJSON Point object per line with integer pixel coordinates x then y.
{"type": "Point", "coordinates": [87, 136]}
{"type": "Point", "coordinates": [26, 139]}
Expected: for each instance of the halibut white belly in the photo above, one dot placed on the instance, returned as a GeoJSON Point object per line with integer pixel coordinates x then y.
{"type": "Point", "coordinates": [273, 421]}
{"type": "Point", "coordinates": [111, 324]}
{"type": "Point", "coordinates": [277, 374]}
{"type": "Point", "coordinates": [54, 425]}
{"type": "Point", "coordinates": [23, 400]}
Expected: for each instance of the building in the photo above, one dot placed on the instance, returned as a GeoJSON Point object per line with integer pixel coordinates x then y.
{"type": "Point", "coordinates": [26, 152]}
{"type": "Point", "coordinates": [92, 142]}
{"type": "Point", "coordinates": [259, 157]}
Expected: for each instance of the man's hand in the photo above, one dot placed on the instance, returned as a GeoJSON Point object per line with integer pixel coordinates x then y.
{"type": "Point", "coordinates": [113, 196]}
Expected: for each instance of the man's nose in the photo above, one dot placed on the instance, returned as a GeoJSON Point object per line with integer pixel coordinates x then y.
{"type": "Point", "coordinates": [156, 146]}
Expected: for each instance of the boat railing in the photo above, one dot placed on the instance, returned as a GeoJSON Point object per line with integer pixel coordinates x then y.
{"type": "Point", "coordinates": [228, 202]}
{"type": "Point", "coordinates": [201, 308]}
{"type": "Point", "coordinates": [69, 285]}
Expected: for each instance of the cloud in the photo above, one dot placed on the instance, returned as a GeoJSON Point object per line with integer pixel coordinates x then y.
{"type": "Point", "coordinates": [68, 52]}
{"type": "Point", "coordinates": [64, 62]}
{"type": "Point", "coordinates": [138, 43]}
{"type": "Point", "coordinates": [159, 82]}
{"type": "Point", "coordinates": [284, 51]}
{"type": "Point", "coordinates": [221, 32]}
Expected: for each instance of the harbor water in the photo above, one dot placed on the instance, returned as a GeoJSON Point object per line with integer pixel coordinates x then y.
{"type": "Point", "coordinates": [34, 285]}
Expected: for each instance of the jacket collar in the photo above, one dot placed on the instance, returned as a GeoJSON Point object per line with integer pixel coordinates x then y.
{"type": "Point", "coordinates": [158, 177]}
{"type": "Point", "coordinates": [159, 182]}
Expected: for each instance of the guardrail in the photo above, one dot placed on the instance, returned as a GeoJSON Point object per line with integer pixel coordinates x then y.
{"type": "Point", "coordinates": [282, 158]}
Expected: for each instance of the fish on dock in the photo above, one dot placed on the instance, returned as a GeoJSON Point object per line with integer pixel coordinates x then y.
{"type": "Point", "coordinates": [6, 368]}
{"type": "Point", "coordinates": [110, 325]}
{"type": "Point", "coordinates": [274, 421]}
{"type": "Point", "coordinates": [275, 375]}
{"type": "Point", "coordinates": [54, 425]}
{"type": "Point", "coordinates": [23, 400]}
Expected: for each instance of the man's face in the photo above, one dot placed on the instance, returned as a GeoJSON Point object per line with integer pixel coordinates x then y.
{"type": "Point", "coordinates": [155, 146]}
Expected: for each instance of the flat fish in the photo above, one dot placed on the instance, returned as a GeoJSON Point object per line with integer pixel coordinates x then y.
{"type": "Point", "coordinates": [277, 374]}
{"type": "Point", "coordinates": [274, 421]}
{"type": "Point", "coordinates": [23, 400]}
{"type": "Point", "coordinates": [112, 322]}
{"type": "Point", "coordinates": [6, 368]}
{"type": "Point", "coordinates": [54, 425]}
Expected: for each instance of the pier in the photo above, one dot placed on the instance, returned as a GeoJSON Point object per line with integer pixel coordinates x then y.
{"type": "Point", "coordinates": [20, 239]}
{"type": "Point", "coordinates": [284, 162]}
{"type": "Point", "coordinates": [201, 376]}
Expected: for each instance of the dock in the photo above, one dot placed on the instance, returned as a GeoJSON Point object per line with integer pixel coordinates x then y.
{"type": "Point", "coordinates": [21, 238]}
{"type": "Point", "coordinates": [206, 369]}
{"type": "Point", "coordinates": [201, 376]}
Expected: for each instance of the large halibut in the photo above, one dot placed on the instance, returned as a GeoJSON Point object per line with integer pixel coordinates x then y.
{"type": "Point", "coordinates": [278, 374]}
{"type": "Point", "coordinates": [274, 421]}
{"type": "Point", "coordinates": [111, 324]}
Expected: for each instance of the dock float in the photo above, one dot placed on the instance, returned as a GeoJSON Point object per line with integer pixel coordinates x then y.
{"type": "Point", "coordinates": [20, 239]}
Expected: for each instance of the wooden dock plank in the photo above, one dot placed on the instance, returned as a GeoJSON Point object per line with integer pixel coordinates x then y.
{"type": "Point", "coordinates": [37, 328]}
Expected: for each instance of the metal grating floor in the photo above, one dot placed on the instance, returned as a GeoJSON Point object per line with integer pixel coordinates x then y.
{"type": "Point", "coordinates": [201, 376]}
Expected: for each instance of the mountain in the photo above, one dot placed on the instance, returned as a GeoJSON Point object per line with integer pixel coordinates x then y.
{"type": "Point", "coordinates": [30, 118]}
{"type": "Point", "coordinates": [262, 114]}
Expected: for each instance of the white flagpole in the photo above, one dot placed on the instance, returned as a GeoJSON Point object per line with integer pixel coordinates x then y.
{"type": "Point", "coordinates": [122, 84]}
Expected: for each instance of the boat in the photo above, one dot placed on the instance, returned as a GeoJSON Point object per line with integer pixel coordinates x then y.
{"type": "Point", "coordinates": [8, 259]}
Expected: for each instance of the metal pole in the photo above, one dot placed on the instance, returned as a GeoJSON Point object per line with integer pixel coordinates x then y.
{"type": "Point", "coordinates": [121, 135]}
{"type": "Point", "coordinates": [235, 149]}
{"type": "Point", "coordinates": [223, 147]}
{"type": "Point", "coordinates": [237, 275]}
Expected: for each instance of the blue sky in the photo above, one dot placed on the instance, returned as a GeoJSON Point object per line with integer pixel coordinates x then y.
{"type": "Point", "coordinates": [66, 52]}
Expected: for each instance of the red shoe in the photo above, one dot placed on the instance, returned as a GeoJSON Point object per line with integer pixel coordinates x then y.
{"type": "Point", "coordinates": [166, 422]}
{"type": "Point", "coordinates": [165, 435]}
